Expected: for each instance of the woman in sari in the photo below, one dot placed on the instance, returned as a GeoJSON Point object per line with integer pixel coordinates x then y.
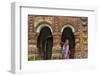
{"type": "Point", "coordinates": [66, 50]}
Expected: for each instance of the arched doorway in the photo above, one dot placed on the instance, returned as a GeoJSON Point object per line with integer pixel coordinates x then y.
{"type": "Point", "coordinates": [45, 43]}
{"type": "Point", "coordinates": [67, 33]}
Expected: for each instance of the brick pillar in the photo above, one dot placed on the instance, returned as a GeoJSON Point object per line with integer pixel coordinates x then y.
{"type": "Point", "coordinates": [80, 41]}
{"type": "Point", "coordinates": [32, 47]}
{"type": "Point", "coordinates": [35, 42]}
{"type": "Point", "coordinates": [56, 51]}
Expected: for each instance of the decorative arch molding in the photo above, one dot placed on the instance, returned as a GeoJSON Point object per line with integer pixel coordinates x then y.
{"type": "Point", "coordinates": [43, 25]}
{"type": "Point", "coordinates": [70, 26]}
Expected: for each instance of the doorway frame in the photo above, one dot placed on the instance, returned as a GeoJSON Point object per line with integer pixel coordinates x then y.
{"type": "Point", "coordinates": [68, 25]}
{"type": "Point", "coordinates": [40, 27]}
{"type": "Point", "coordinates": [73, 31]}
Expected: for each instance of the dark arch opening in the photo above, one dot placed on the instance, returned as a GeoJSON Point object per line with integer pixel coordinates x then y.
{"type": "Point", "coordinates": [68, 34]}
{"type": "Point", "coordinates": [45, 43]}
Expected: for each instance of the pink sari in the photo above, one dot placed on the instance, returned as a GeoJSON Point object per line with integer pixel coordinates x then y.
{"type": "Point", "coordinates": [67, 51]}
{"type": "Point", "coordinates": [68, 54]}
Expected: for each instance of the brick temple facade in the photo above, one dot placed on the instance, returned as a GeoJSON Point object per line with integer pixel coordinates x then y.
{"type": "Point", "coordinates": [56, 24]}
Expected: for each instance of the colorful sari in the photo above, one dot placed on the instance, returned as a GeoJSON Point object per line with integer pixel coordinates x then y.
{"type": "Point", "coordinates": [66, 51]}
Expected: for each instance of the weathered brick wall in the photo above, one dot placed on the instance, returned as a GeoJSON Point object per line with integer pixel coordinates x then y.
{"type": "Point", "coordinates": [57, 23]}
